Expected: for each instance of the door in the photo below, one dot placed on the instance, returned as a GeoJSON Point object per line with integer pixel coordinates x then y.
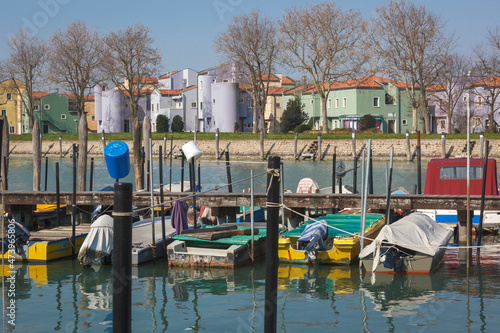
{"type": "Point", "coordinates": [391, 126]}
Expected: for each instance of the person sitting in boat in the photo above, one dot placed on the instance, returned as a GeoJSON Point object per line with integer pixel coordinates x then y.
{"type": "Point", "coordinates": [313, 239]}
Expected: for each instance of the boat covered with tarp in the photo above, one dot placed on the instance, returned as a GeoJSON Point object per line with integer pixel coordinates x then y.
{"type": "Point", "coordinates": [332, 239]}
{"type": "Point", "coordinates": [414, 244]}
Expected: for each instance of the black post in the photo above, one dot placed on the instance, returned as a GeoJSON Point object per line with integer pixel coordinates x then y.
{"type": "Point", "coordinates": [199, 176]}
{"type": "Point", "coordinates": [171, 154]}
{"type": "Point", "coordinates": [73, 231]}
{"type": "Point", "coordinates": [46, 171]}
{"type": "Point", "coordinates": [228, 171]}
{"type": "Point", "coordinates": [162, 207]}
{"type": "Point", "coordinates": [122, 258]}
{"type": "Point", "coordinates": [419, 165]}
{"type": "Point", "coordinates": [58, 196]}
{"type": "Point", "coordinates": [143, 157]}
{"type": "Point", "coordinates": [481, 215]}
{"type": "Point", "coordinates": [5, 172]}
{"type": "Point", "coordinates": [271, 291]}
{"type": "Point", "coordinates": [182, 171]}
{"type": "Point", "coordinates": [193, 182]}
{"type": "Point", "coordinates": [355, 175]}
{"type": "Point", "coordinates": [191, 179]}
{"type": "Point", "coordinates": [91, 185]}
{"type": "Point", "coordinates": [333, 168]}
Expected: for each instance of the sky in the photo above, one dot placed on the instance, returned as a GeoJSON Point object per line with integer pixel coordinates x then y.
{"type": "Point", "coordinates": [184, 31]}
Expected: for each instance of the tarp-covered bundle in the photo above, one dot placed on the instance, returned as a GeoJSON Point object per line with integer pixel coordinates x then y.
{"type": "Point", "coordinates": [99, 242]}
{"type": "Point", "coordinates": [416, 232]}
{"type": "Point", "coordinates": [313, 239]}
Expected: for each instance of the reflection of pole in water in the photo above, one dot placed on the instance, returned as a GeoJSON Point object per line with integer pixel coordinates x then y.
{"type": "Point", "coordinates": [165, 301]}
{"type": "Point", "coordinates": [75, 296]}
{"type": "Point", "coordinates": [59, 306]}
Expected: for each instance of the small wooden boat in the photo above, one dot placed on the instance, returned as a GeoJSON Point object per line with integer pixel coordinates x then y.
{"type": "Point", "coordinates": [227, 245]}
{"type": "Point", "coordinates": [342, 244]}
{"type": "Point", "coordinates": [415, 244]}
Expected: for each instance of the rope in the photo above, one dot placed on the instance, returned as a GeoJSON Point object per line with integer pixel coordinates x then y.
{"type": "Point", "coordinates": [395, 244]}
{"type": "Point", "coordinates": [273, 173]}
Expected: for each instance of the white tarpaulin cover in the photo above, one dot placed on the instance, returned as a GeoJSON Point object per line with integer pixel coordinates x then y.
{"type": "Point", "coordinates": [417, 232]}
{"type": "Point", "coordinates": [99, 241]}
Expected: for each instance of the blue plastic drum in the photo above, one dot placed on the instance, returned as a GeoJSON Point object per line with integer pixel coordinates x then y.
{"type": "Point", "coordinates": [117, 159]}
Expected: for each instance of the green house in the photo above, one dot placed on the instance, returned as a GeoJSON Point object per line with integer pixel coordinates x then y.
{"type": "Point", "coordinates": [348, 101]}
{"type": "Point", "coordinates": [54, 113]}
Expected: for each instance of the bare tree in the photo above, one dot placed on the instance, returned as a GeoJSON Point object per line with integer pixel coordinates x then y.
{"type": "Point", "coordinates": [129, 60]}
{"type": "Point", "coordinates": [410, 45]}
{"type": "Point", "coordinates": [325, 42]}
{"type": "Point", "coordinates": [250, 43]}
{"type": "Point", "coordinates": [25, 67]}
{"type": "Point", "coordinates": [487, 87]}
{"type": "Point", "coordinates": [75, 58]}
{"type": "Point", "coordinates": [453, 80]}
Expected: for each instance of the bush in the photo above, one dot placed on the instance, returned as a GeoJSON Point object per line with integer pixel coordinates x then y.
{"type": "Point", "coordinates": [302, 128]}
{"type": "Point", "coordinates": [367, 122]}
{"type": "Point", "coordinates": [293, 115]}
{"type": "Point", "coordinates": [161, 124]}
{"type": "Point", "coordinates": [177, 124]}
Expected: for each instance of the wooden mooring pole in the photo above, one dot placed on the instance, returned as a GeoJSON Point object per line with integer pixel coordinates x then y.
{"type": "Point", "coordinates": [271, 288]}
{"type": "Point", "coordinates": [419, 165]}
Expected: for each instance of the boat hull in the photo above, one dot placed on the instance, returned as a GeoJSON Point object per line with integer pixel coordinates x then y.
{"type": "Point", "coordinates": [344, 251]}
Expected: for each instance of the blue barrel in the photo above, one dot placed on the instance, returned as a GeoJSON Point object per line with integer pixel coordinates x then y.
{"type": "Point", "coordinates": [117, 159]}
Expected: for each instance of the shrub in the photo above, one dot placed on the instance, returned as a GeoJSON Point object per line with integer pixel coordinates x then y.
{"type": "Point", "coordinates": [177, 124]}
{"type": "Point", "coordinates": [293, 115]}
{"type": "Point", "coordinates": [367, 122]}
{"type": "Point", "coordinates": [161, 124]}
{"type": "Point", "coordinates": [302, 128]}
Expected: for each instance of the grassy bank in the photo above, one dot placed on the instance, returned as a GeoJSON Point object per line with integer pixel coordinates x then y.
{"type": "Point", "coordinates": [251, 136]}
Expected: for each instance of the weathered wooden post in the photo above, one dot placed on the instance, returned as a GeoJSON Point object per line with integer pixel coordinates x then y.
{"type": "Point", "coordinates": [82, 153]}
{"type": "Point", "coordinates": [73, 215]}
{"type": "Point", "coordinates": [4, 152]}
{"type": "Point", "coordinates": [419, 165]}
{"type": "Point", "coordinates": [333, 168]}
{"type": "Point", "coordinates": [319, 146]}
{"type": "Point", "coordinates": [162, 207]}
{"type": "Point", "coordinates": [228, 172]}
{"type": "Point", "coordinates": [182, 171]}
{"type": "Point", "coordinates": [355, 174]}
{"type": "Point", "coordinates": [36, 149]}
{"type": "Point", "coordinates": [171, 156]}
{"type": "Point", "coordinates": [165, 144]}
{"type": "Point", "coordinates": [46, 172]}
{"type": "Point", "coordinates": [443, 146]}
{"type": "Point", "coordinates": [58, 196]}
{"type": "Point", "coordinates": [146, 136]}
{"type": "Point", "coordinates": [91, 182]}
{"type": "Point", "coordinates": [354, 155]}
{"type": "Point", "coordinates": [122, 258]}
{"type": "Point", "coordinates": [408, 152]}
{"type": "Point", "coordinates": [60, 146]}
{"type": "Point", "coordinates": [217, 157]}
{"type": "Point", "coordinates": [271, 288]}
{"type": "Point", "coordinates": [483, 191]}
{"type": "Point", "coordinates": [295, 145]}
{"type": "Point", "coordinates": [103, 139]}
{"type": "Point", "coordinates": [481, 145]}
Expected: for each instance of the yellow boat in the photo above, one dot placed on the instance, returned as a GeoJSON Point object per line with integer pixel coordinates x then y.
{"type": "Point", "coordinates": [343, 243]}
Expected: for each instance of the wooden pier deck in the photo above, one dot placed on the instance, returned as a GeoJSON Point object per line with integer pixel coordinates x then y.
{"type": "Point", "coordinates": [295, 200]}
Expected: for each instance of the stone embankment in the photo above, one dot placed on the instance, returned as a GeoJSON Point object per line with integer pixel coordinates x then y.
{"type": "Point", "coordinates": [431, 148]}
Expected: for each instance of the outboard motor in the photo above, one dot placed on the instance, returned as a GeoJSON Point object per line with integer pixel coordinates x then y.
{"type": "Point", "coordinates": [18, 237]}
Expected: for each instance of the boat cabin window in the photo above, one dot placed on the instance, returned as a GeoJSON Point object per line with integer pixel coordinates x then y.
{"type": "Point", "coordinates": [460, 172]}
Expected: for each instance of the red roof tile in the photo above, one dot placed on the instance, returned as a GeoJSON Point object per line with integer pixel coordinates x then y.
{"type": "Point", "coordinates": [287, 80]}
{"type": "Point", "coordinates": [147, 80]}
{"type": "Point", "coordinates": [493, 81]}
{"type": "Point", "coordinates": [39, 94]}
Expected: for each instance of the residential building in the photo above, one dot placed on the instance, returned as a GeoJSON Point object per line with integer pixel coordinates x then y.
{"type": "Point", "coordinates": [10, 104]}
{"type": "Point", "coordinates": [175, 102]}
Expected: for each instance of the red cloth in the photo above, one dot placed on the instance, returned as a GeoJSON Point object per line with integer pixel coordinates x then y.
{"type": "Point", "coordinates": [307, 185]}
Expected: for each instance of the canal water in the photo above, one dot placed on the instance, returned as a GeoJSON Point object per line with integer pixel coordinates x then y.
{"type": "Point", "coordinates": [62, 296]}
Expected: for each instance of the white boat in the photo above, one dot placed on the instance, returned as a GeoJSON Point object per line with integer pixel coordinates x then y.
{"type": "Point", "coordinates": [415, 244]}
{"type": "Point", "coordinates": [98, 245]}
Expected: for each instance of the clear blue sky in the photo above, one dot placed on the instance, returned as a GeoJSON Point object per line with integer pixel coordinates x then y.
{"type": "Point", "coordinates": [185, 30]}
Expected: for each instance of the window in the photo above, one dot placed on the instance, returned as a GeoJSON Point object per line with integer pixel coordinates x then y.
{"type": "Point", "coordinates": [93, 118]}
{"type": "Point", "coordinates": [329, 103]}
{"type": "Point", "coordinates": [46, 107]}
{"type": "Point", "coordinates": [476, 121]}
{"type": "Point", "coordinates": [241, 100]}
{"type": "Point", "coordinates": [389, 99]}
{"type": "Point", "coordinates": [9, 96]}
{"type": "Point", "coordinates": [36, 108]}
{"type": "Point", "coordinates": [201, 105]}
{"type": "Point", "coordinates": [213, 101]}
{"type": "Point", "coordinates": [278, 105]}
{"type": "Point", "coordinates": [336, 103]}
{"type": "Point", "coordinates": [312, 101]}
{"type": "Point", "coordinates": [460, 172]}
{"type": "Point", "coordinates": [465, 98]}
{"type": "Point", "coordinates": [250, 103]}
{"type": "Point", "coordinates": [344, 102]}
{"type": "Point", "coordinates": [487, 123]}
{"type": "Point", "coordinates": [152, 108]}
{"type": "Point", "coordinates": [376, 102]}
{"type": "Point", "coordinates": [4, 112]}
{"type": "Point", "coordinates": [193, 105]}
{"type": "Point", "coordinates": [179, 105]}
{"type": "Point", "coordinates": [63, 116]}
{"type": "Point", "coordinates": [479, 101]}
{"type": "Point", "coordinates": [442, 124]}
{"type": "Point", "coordinates": [157, 107]}
{"type": "Point", "coordinates": [405, 122]}
{"type": "Point", "coordinates": [12, 130]}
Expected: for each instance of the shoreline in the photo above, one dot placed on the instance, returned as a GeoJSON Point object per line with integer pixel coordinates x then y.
{"type": "Point", "coordinates": [238, 149]}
